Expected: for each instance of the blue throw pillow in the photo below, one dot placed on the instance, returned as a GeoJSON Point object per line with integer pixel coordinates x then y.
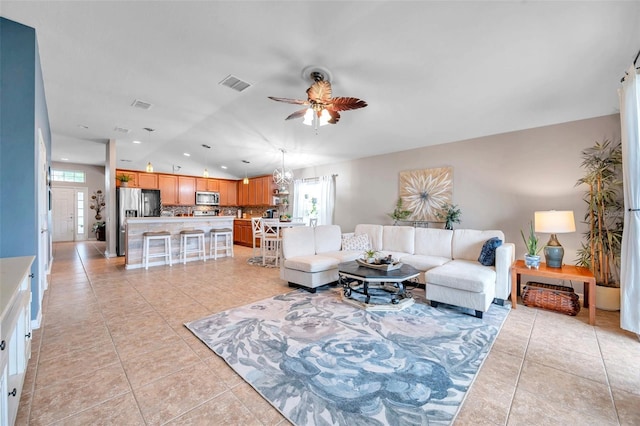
{"type": "Point", "coordinates": [488, 252]}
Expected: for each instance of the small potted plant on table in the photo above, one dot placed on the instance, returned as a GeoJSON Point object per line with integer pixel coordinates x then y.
{"type": "Point", "coordinates": [531, 258]}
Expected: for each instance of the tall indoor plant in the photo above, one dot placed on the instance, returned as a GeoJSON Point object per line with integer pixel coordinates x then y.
{"type": "Point", "coordinates": [604, 216]}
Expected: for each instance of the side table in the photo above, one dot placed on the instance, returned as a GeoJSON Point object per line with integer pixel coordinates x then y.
{"type": "Point", "coordinates": [566, 272]}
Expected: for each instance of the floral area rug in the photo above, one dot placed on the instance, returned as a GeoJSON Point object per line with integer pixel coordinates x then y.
{"type": "Point", "coordinates": [321, 361]}
{"type": "Point", "coordinates": [257, 260]}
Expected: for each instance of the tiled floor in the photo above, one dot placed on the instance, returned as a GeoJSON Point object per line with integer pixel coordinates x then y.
{"type": "Point", "coordinates": [112, 349]}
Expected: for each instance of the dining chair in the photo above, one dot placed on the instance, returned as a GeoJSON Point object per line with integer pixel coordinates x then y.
{"type": "Point", "coordinates": [271, 240]}
{"type": "Point", "coordinates": [313, 221]}
{"type": "Point", "coordinates": [256, 230]}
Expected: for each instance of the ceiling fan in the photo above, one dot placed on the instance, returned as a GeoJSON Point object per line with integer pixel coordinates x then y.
{"type": "Point", "coordinates": [321, 108]}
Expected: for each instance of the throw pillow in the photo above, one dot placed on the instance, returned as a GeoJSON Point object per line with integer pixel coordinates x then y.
{"type": "Point", "coordinates": [356, 242]}
{"type": "Point", "coordinates": [488, 252]}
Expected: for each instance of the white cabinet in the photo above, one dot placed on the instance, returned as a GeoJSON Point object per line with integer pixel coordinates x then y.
{"type": "Point", "coordinates": [15, 332]}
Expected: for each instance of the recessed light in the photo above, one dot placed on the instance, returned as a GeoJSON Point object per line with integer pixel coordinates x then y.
{"type": "Point", "coordinates": [186, 154]}
{"type": "Point", "coordinates": [136, 142]}
{"type": "Point", "coordinates": [64, 159]}
{"type": "Point", "coordinates": [82, 126]}
{"type": "Point", "coordinates": [223, 167]}
{"type": "Point", "coordinates": [125, 161]}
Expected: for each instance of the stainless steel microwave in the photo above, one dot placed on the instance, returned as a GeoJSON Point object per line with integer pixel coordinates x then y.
{"type": "Point", "coordinates": [207, 198]}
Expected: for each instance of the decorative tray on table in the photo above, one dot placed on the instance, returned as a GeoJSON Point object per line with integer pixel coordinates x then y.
{"type": "Point", "coordinates": [379, 265]}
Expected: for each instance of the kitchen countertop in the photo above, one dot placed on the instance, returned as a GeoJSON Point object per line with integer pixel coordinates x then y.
{"type": "Point", "coordinates": [171, 219]}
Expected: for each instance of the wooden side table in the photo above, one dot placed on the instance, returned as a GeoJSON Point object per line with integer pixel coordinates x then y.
{"type": "Point", "coordinates": [566, 272]}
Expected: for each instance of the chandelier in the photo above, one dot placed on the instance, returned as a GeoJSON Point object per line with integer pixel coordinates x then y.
{"type": "Point", "coordinates": [282, 176]}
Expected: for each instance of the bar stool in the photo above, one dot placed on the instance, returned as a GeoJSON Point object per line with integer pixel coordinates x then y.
{"type": "Point", "coordinates": [227, 245]}
{"type": "Point", "coordinates": [271, 240]}
{"type": "Point", "coordinates": [165, 236]}
{"type": "Point", "coordinates": [198, 234]}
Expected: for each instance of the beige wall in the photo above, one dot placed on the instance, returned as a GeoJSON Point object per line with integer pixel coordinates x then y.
{"type": "Point", "coordinates": [499, 180]}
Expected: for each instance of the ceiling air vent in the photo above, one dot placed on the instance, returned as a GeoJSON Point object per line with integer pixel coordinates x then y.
{"type": "Point", "coordinates": [121, 130]}
{"type": "Point", "coordinates": [141, 104]}
{"type": "Point", "coordinates": [235, 83]}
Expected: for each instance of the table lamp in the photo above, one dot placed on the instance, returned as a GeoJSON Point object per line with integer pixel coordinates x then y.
{"type": "Point", "coordinates": [554, 222]}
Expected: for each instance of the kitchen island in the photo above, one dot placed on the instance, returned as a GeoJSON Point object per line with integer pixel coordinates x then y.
{"type": "Point", "coordinates": [136, 226]}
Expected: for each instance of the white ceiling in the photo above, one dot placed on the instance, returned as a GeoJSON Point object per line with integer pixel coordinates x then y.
{"type": "Point", "coordinates": [431, 72]}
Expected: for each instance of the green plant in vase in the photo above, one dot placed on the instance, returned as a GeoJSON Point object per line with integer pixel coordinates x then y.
{"type": "Point", "coordinates": [399, 213]}
{"type": "Point", "coordinates": [531, 242]}
{"type": "Point", "coordinates": [450, 213]}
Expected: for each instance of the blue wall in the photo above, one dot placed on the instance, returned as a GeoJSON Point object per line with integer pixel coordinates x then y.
{"type": "Point", "coordinates": [23, 110]}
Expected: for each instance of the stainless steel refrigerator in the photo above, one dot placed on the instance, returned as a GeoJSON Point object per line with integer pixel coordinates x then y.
{"type": "Point", "coordinates": [134, 202]}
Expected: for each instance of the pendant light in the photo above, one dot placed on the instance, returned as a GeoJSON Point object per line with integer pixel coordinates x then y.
{"type": "Point", "coordinates": [282, 176]}
{"type": "Point", "coordinates": [205, 173]}
{"type": "Point", "coordinates": [149, 165]}
{"type": "Point", "coordinates": [245, 181]}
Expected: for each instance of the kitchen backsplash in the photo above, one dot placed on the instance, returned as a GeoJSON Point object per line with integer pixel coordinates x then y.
{"type": "Point", "coordinates": [223, 211]}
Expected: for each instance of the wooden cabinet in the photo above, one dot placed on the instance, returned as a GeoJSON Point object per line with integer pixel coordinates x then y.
{"type": "Point", "coordinates": [242, 232]}
{"type": "Point", "coordinates": [259, 192]}
{"type": "Point", "coordinates": [186, 191]}
{"type": "Point", "coordinates": [228, 192]}
{"type": "Point", "coordinates": [168, 185]}
{"type": "Point", "coordinates": [148, 180]}
{"type": "Point", "coordinates": [207, 184]}
{"type": "Point", "coordinates": [15, 332]}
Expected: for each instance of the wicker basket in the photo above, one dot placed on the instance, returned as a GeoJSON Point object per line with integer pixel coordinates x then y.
{"type": "Point", "coordinates": [553, 297]}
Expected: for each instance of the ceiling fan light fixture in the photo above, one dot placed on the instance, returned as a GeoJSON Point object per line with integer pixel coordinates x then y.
{"type": "Point", "coordinates": [311, 118]}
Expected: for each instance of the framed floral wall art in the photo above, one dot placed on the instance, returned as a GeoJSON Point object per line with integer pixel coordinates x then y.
{"type": "Point", "coordinates": [426, 192]}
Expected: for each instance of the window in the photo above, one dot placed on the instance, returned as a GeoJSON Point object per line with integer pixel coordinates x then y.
{"type": "Point", "coordinates": [67, 176]}
{"type": "Point", "coordinates": [80, 213]}
{"type": "Point", "coordinates": [314, 198]}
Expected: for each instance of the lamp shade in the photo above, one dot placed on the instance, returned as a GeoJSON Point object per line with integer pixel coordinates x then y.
{"type": "Point", "coordinates": [554, 222]}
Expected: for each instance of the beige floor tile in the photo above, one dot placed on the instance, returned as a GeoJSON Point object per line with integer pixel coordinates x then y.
{"type": "Point", "coordinates": [486, 403]}
{"type": "Point", "coordinates": [52, 403]}
{"type": "Point", "coordinates": [565, 392]}
{"type": "Point", "coordinates": [226, 409]}
{"type": "Point", "coordinates": [628, 406]}
{"type": "Point", "coordinates": [154, 365]}
{"type": "Point", "coordinates": [176, 394]}
{"type": "Point", "coordinates": [121, 410]}
{"type": "Point", "coordinates": [64, 368]}
{"type": "Point", "coordinates": [550, 354]}
{"type": "Point", "coordinates": [624, 376]}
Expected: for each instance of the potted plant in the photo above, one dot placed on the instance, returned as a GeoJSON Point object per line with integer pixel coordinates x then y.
{"type": "Point", "coordinates": [531, 258]}
{"type": "Point", "coordinates": [123, 179]}
{"type": "Point", "coordinates": [399, 213]}
{"type": "Point", "coordinates": [604, 217]}
{"type": "Point", "coordinates": [99, 229]}
{"type": "Point", "coordinates": [450, 213]}
{"type": "Point", "coordinates": [370, 256]}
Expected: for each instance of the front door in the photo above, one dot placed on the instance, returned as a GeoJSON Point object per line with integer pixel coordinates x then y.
{"type": "Point", "coordinates": [63, 211]}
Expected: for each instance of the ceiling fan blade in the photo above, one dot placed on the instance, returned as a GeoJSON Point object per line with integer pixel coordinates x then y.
{"type": "Point", "coordinates": [320, 92]}
{"type": "Point", "coordinates": [344, 104]}
{"type": "Point", "coordinates": [297, 114]}
{"type": "Point", "coordinates": [290, 101]}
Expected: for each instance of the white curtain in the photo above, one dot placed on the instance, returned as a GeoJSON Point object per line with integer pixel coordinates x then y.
{"type": "Point", "coordinates": [298, 198]}
{"type": "Point", "coordinates": [326, 200]}
{"type": "Point", "coordinates": [630, 260]}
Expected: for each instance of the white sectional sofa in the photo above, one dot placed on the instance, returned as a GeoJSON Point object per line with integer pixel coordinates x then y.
{"type": "Point", "coordinates": [448, 260]}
